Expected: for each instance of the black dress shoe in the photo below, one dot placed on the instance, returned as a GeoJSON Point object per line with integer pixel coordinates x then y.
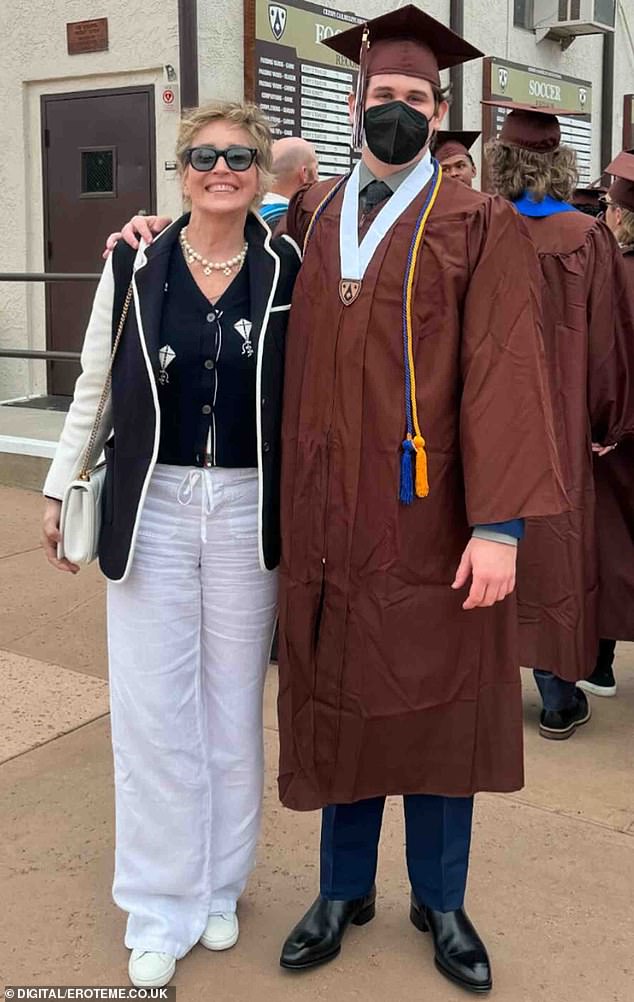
{"type": "Point", "coordinates": [317, 938]}
{"type": "Point", "coordinates": [460, 953]}
{"type": "Point", "coordinates": [557, 725]}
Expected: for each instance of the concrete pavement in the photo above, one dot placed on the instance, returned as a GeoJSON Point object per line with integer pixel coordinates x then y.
{"type": "Point", "coordinates": [28, 439]}
{"type": "Point", "coordinates": [550, 888]}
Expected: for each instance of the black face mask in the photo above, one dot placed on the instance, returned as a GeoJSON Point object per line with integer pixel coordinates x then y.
{"type": "Point", "coordinates": [395, 132]}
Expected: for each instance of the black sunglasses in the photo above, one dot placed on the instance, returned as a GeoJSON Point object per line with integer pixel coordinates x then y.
{"type": "Point", "coordinates": [204, 158]}
{"type": "Point", "coordinates": [606, 203]}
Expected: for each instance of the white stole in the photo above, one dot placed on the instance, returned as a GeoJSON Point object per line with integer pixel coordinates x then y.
{"type": "Point", "coordinates": [355, 257]}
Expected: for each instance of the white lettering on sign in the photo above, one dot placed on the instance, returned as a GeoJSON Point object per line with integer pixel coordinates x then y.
{"type": "Point", "coordinates": [324, 72]}
{"type": "Point", "coordinates": [324, 31]}
{"type": "Point", "coordinates": [547, 91]}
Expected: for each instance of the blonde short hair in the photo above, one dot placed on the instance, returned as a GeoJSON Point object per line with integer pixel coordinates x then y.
{"type": "Point", "coordinates": [515, 171]}
{"type": "Point", "coordinates": [248, 117]}
{"type": "Point", "coordinates": [625, 232]}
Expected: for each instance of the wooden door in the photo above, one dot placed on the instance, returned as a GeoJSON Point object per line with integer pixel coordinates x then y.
{"type": "Point", "coordinates": [98, 152]}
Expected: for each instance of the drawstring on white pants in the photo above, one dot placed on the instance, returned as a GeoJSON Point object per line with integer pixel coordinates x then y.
{"type": "Point", "coordinates": [185, 493]}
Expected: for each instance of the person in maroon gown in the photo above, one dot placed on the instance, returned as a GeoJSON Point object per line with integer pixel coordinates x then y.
{"type": "Point", "coordinates": [614, 474]}
{"type": "Point", "coordinates": [417, 435]}
{"type": "Point", "coordinates": [452, 151]}
{"type": "Point", "coordinates": [590, 353]}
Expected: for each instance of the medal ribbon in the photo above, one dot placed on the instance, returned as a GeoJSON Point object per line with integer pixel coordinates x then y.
{"type": "Point", "coordinates": [356, 257]}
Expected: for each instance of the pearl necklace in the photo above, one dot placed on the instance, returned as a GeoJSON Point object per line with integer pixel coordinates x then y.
{"type": "Point", "coordinates": [225, 267]}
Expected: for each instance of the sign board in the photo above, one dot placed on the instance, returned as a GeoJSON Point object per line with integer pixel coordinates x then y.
{"type": "Point", "coordinates": [169, 97]}
{"type": "Point", "coordinates": [528, 85]}
{"type": "Point", "coordinates": [87, 36]}
{"type": "Point", "coordinates": [300, 84]}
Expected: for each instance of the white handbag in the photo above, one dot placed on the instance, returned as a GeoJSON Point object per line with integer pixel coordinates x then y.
{"type": "Point", "coordinates": [80, 518]}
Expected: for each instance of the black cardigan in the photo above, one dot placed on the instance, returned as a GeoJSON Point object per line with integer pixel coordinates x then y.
{"type": "Point", "coordinates": [273, 264]}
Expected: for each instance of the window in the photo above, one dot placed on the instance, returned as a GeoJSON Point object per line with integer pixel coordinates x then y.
{"type": "Point", "coordinates": [97, 173]}
{"type": "Point", "coordinates": [523, 13]}
{"type": "Point", "coordinates": [605, 11]}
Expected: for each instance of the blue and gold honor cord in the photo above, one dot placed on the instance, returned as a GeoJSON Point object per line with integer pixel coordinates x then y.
{"type": "Point", "coordinates": [413, 448]}
{"type": "Point", "coordinates": [414, 480]}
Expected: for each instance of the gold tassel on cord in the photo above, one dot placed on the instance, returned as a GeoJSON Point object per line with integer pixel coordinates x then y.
{"type": "Point", "coordinates": [359, 104]}
{"type": "Point", "coordinates": [422, 481]}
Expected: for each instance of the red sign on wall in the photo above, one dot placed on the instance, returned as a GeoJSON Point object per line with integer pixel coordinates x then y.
{"type": "Point", "coordinates": [169, 97]}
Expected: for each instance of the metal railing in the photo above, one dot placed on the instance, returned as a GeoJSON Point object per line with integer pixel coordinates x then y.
{"type": "Point", "coordinates": [44, 276]}
{"type": "Point", "coordinates": [47, 276]}
{"type": "Point", "coordinates": [52, 356]}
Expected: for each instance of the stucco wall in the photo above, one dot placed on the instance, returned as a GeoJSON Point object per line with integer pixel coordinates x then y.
{"type": "Point", "coordinates": [623, 65]}
{"type": "Point", "coordinates": [220, 50]}
{"type": "Point", "coordinates": [34, 61]}
{"type": "Point", "coordinates": [487, 27]}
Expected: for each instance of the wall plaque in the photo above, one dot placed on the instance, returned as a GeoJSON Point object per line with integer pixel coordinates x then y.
{"type": "Point", "coordinates": [87, 36]}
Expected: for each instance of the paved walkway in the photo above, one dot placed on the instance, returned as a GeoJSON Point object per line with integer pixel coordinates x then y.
{"type": "Point", "coordinates": [551, 881]}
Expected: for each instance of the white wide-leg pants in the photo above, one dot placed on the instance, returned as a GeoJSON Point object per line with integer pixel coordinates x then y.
{"type": "Point", "coordinates": [189, 634]}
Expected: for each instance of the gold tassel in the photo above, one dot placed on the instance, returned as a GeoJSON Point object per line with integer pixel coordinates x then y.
{"type": "Point", "coordinates": [422, 481]}
{"type": "Point", "coordinates": [359, 104]}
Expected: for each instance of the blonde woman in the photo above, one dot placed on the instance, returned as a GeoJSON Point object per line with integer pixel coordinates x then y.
{"type": "Point", "coordinates": [190, 537]}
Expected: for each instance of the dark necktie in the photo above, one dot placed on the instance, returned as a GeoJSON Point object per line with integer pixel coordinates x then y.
{"type": "Point", "coordinates": [375, 193]}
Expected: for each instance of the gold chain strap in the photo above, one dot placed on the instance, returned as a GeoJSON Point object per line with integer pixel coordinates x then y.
{"type": "Point", "coordinates": [84, 473]}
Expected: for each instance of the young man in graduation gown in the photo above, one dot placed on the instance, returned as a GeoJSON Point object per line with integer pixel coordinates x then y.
{"type": "Point", "coordinates": [614, 473]}
{"type": "Point", "coordinates": [417, 432]}
{"type": "Point", "coordinates": [590, 351]}
{"type": "Point", "coordinates": [451, 150]}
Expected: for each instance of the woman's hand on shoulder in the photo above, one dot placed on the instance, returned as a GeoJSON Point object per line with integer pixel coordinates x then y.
{"type": "Point", "coordinates": [139, 227]}
{"type": "Point", "coordinates": [602, 450]}
{"type": "Point", "coordinates": [51, 536]}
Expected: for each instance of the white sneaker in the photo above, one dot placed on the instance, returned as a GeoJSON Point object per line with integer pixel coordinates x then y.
{"type": "Point", "coordinates": [221, 932]}
{"type": "Point", "coordinates": [151, 970]}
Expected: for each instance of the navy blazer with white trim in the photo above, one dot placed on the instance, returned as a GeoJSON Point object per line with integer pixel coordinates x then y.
{"type": "Point", "coordinates": [134, 414]}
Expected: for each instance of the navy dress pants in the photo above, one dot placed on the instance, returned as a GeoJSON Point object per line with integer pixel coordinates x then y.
{"type": "Point", "coordinates": [557, 693]}
{"type": "Point", "coordinates": [438, 837]}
